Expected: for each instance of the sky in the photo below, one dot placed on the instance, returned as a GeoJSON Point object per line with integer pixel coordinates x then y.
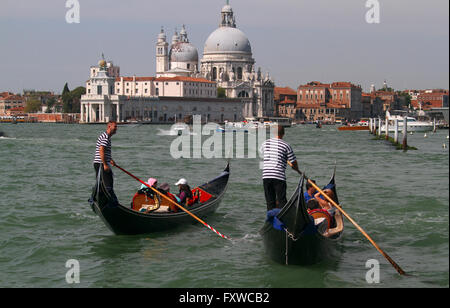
{"type": "Point", "coordinates": [296, 41]}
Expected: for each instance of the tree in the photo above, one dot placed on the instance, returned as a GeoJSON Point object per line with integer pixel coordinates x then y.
{"type": "Point", "coordinates": [33, 105]}
{"type": "Point", "coordinates": [221, 93]}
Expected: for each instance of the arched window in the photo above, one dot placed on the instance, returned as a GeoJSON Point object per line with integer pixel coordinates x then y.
{"type": "Point", "coordinates": [214, 73]}
{"type": "Point", "coordinates": [243, 94]}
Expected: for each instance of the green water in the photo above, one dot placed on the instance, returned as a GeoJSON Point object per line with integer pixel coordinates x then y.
{"type": "Point", "coordinates": [46, 174]}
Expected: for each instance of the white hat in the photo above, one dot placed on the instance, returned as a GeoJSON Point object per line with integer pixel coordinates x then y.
{"type": "Point", "coordinates": [181, 182]}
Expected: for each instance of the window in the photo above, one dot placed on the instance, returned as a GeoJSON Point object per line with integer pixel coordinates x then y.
{"type": "Point", "coordinates": [157, 91]}
{"type": "Point", "coordinates": [239, 73]}
{"type": "Point", "coordinates": [99, 90]}
{"type": "Point", "coordinates": [214, 73]}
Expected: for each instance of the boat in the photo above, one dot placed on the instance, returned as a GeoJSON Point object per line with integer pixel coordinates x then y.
{"type": "Point", "coordinates": [353, 127]}
{"type": "Point", "coordinates": [303, 238]}
{"type": "Point", "coordinates": [413, 125]}
{"type": "Point", "coordinates": [128, 220]}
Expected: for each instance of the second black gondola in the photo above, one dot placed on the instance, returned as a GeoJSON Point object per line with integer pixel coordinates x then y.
{"type": "Point", "coordinates": [297, 237]}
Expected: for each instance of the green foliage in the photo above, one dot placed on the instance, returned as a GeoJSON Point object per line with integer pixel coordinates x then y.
{"type": "Point", "coordinates": [221, 93]}
{"type": "Point", "coordinates": [71, 99]}
{"type": "Point", "coordinates": [33, 105]}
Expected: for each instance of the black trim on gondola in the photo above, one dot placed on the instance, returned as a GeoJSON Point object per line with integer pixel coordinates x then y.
{"type": "Point", "coordinates": [300, 243]}
{"type": "Point", "coordinates": [125, 221]}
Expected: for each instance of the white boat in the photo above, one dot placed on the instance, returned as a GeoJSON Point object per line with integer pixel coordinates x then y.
{"type": "Point", "coordinates": [413, 125]}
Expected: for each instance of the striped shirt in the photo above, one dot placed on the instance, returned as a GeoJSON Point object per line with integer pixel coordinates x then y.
{"type": "Point", "coordinates": [276, 154]}
{"type": "Point", "coordinates": [103, 140]}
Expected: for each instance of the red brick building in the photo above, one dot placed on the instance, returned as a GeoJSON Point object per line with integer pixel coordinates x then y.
{"type": "Point", "coordinates": [431, 99]}
{"type": "Point", "coordinates": [10, 101]}
{"type": "Point", "coordinates": [325, 102]}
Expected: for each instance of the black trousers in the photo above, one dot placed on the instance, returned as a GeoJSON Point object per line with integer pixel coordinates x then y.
{"type": "Point", "coordinates": [107, 176]}
{"type": "Point", "coordinates": [275, 193]}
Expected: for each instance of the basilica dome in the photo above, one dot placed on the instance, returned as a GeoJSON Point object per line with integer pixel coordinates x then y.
{"type": "Point", "coordinates": [227, 40]}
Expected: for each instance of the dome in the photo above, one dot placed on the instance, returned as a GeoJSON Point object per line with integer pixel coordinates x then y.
{"type": "Point", "coordinates": [227, 9]}
{"type": "Point", "coordinates": [183, 52]}
{"type": "Point", "coordinates": [227, 39]}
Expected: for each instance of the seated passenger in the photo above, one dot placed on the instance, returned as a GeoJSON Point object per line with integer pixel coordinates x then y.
{"type": "Point", "coordinates": [312, 204]}
{"type": "Point", "coordinates": [185, 192]}
{"type": "Point", "coordinates": [145, 189]}
{"type": "Point", "coordinates": [310, 191]}
{"type": "Point", "coordinates": [324, 204]}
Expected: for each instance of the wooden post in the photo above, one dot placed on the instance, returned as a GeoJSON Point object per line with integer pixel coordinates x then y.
{"type": "Point", "coordinates": [386, 128]}
{"type": "Point", "coordinates": [379, 126]}
{"type": "Point", "coordinates": [405, 134]}
{"type": "Point", "coordinates": [434, 125]}
{"type": "Point", "coordinates": [370, 125]}
{"type": "Point", "coordinates": [396, 131]}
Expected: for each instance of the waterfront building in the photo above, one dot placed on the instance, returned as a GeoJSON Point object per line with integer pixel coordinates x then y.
{"type": "Point", "coordinates": [428, 99]}
{"type": "Point", "coordinates": [181, 87]}
{"type": "Point", "coordinates": [326, 102]}
{"type": "Point", "coordinates": [10, 102]}
{"type": "Point", "coordinates": [285, 102]}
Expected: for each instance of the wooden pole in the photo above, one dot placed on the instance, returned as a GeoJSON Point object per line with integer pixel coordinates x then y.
{"type": "Point", "coordinates": [405, 134]}
{"type": "Point", "coordinates": [379, 126]}
{"type": "Point", "coordinates": [370, 125]}
{"type": "Point", "coordinates": [386, 128]}
{"type": "Point", "coordinates": [396, 131]}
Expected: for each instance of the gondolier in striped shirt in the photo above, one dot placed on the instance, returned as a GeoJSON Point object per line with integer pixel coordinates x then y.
{"type": "Point", "coordinates": [277, 153]}
{"type": "Point", "coordinates": [103, 159]}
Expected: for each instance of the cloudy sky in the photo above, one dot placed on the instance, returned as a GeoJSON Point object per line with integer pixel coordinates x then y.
{"type": "Point", "coordinates": [296, 41]}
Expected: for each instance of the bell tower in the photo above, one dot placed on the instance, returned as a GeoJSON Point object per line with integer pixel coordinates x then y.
{"type": "Point", "coordinates": [162, 54]}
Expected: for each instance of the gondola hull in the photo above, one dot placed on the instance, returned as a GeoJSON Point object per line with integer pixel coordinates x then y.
{"type": "Point", "coordinates": [302, 243]}
{"type": "Point", "coordinates": [122, 220]}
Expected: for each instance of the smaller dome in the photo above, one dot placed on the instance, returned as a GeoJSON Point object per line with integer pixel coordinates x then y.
{"type": "Point", "coordinates": [183, 52]}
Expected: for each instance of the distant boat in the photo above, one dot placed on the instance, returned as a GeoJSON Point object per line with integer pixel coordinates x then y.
{"type": "Point", "coordinates": [413, 125]}
{"type": "Point", "coordinates": [353, 128]}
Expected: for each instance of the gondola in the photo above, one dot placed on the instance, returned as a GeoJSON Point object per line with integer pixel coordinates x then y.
{"type": "Point", "coordinates": [293, 236]}
{"type": "Point", "coordinates": [123, 220]}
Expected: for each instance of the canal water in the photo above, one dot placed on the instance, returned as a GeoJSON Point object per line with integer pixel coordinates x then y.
{"type": "Point", "coordinates": [46, 175]}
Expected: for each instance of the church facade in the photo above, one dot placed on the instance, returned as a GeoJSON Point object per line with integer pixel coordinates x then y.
{"type": "Point", "coordinates": [185, 86]}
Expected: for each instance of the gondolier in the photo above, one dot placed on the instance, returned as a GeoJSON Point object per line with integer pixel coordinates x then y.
{"type": "Point", "coordinates": [103, 159]}
{"type": "Point", "coordinates": [277, 153]}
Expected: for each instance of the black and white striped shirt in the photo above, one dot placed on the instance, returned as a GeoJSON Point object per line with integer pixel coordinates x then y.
{"type": "Point", "coordinates": [276, 154]}
{"type": "Point", "coordinates": [103, 140]}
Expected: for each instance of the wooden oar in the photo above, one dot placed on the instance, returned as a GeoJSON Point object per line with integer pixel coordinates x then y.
{"type": "Point", "coordinates": [395, 265]}
{"type": "Point", "coordinates": [173, 202]}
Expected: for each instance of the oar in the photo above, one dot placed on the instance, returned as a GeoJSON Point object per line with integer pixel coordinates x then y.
{"type": "Point", "coordinates": [173, 202]}
{"type": "Point", "coordinates": [395, 265]}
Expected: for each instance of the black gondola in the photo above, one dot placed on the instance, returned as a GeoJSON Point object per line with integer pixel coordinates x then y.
{"type": "Point", "coordinates": [300, 240]}
{"type": "Point", "coordinates": [123, 220]}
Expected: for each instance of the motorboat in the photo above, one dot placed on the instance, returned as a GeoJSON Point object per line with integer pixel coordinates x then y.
{"type": "Point", "coordinates": [413, 125]}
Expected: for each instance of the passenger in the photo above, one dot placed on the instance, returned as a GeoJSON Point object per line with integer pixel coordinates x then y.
{"type": "Point", "coordinates": [185, 192]}
{"type": "Point", "coordinates": [164, 188]}
{"type": "Point", "coordinates": [312, 204]}
{"type": "Point", "coordinates": [144, 189]}
{"type": "Point", "coordinates": [310, 191]}
{"type": "Point", "coordinates": [324, 204]}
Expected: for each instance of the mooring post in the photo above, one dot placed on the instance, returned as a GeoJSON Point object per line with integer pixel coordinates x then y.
{"type": "Point", "coordinates": [370, 125]}
{"type": "Point", "coordinates": [396, 131]}
{"type": "Point", "coordinates": [405, 134]}
{"type": "Point", "coordinates": [434, 125]}
{"type": "Point", "coordinates": [379, 126]}
{"type": "Point", "coordinates": [386, 128]}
